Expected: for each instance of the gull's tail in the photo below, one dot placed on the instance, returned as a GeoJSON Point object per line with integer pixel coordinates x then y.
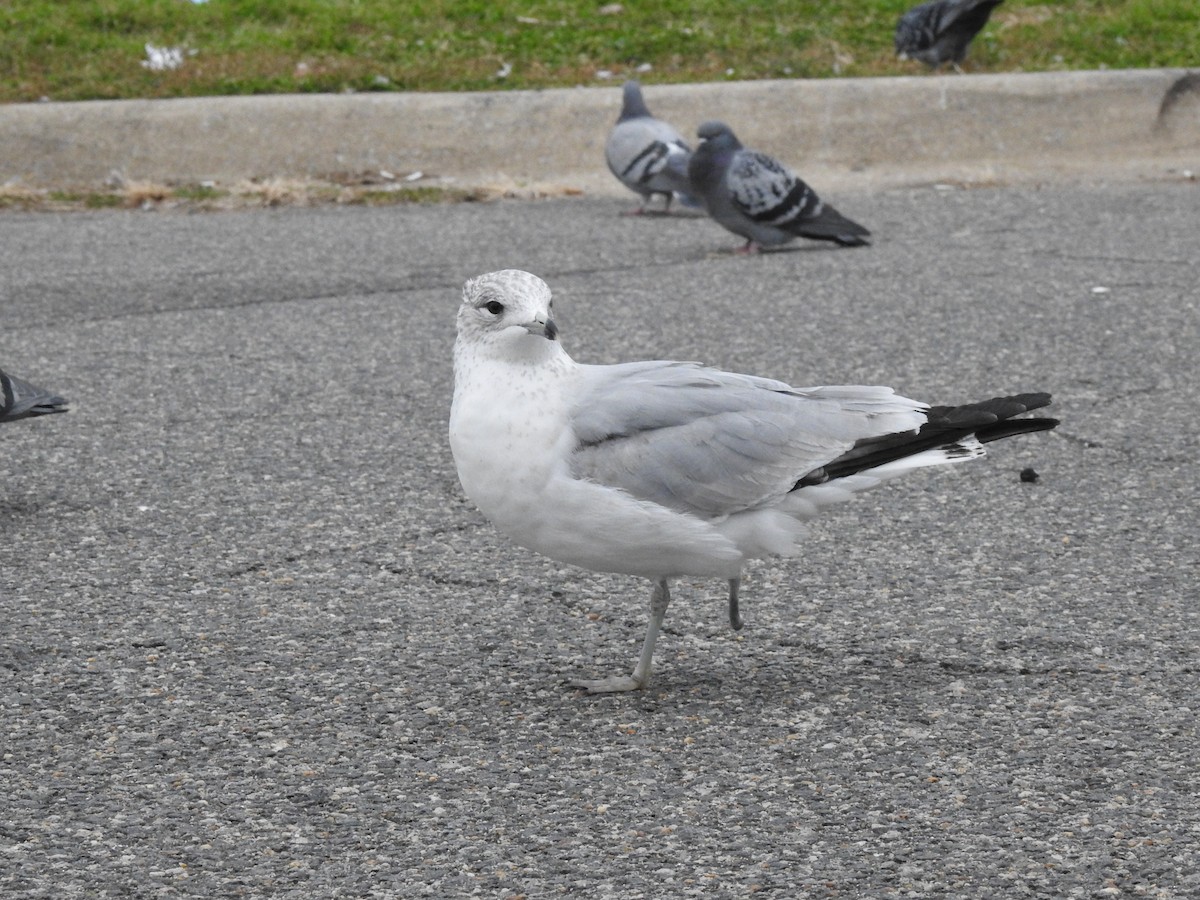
{"type": "Point", "coordinates": [21, 400]}
{"type": "Point", "coordinates": [950, 434]}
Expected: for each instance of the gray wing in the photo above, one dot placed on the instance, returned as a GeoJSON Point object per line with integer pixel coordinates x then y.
{"type": "Point", "coordinates": [766, 191]}
{"type": "Point", "coordinates": [712, 443]}
{"type": "Point", "coordinates": [648, 156]}
{"type": "Point", "coordinates": [918, 28]}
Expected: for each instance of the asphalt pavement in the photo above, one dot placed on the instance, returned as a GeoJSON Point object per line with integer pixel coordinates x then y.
{"type": "Point", "coordinates": [257, 643]}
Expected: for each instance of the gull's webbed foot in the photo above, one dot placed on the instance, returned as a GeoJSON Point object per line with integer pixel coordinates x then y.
{"type": "Point", "coordinates": [613, 684]}
{"type": "Point", "coordinates": [660, 598]}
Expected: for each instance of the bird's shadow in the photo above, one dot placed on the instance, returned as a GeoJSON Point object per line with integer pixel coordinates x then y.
{"type": "Point", "coordinates": [26, 508]}
{"type": "Point", "coordinates": [736, 253]}
{"type": "Point", "coordinates": [682, 215]}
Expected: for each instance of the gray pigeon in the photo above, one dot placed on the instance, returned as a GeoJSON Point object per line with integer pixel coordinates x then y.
{"type": "Point", "coordinates": [940, 31]}
{"type": "Point", "coordinates": [756, 196]}
{"type": "Point", "coordinates": [21, 400]}
{"type": "Point", "coordinates": [646, 154]}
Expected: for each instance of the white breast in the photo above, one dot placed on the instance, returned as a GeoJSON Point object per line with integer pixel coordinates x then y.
{"type": "Point", "coordinates": [511, 438]}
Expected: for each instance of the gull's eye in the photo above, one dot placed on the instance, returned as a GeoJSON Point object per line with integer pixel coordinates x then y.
{"type": "Point", "coordinates": [495, 307]}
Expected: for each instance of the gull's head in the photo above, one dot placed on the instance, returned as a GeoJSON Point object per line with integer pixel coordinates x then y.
{"type": "Point", "coordinates": [509, 310]}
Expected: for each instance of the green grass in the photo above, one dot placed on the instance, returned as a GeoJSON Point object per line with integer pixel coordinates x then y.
{"type": "Point", "coordinates": [89, 49]}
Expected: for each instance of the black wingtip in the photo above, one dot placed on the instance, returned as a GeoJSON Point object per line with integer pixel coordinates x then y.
{"type": "Point", "coordinates": [852, 240]}
{"type": "Point", "coordinates": [1011, 427]}
{"type": "Point", "coordinates": [989, 420]}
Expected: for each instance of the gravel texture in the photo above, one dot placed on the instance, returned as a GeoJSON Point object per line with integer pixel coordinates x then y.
{"type": "Point", "coordinates": [256, 643]}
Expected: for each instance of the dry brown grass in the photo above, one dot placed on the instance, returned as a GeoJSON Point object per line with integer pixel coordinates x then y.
{"type": "Point", "coordinates": [361, 189]}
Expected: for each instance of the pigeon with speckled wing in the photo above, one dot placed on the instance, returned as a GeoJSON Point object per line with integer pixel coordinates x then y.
{"type": "Point", "coordinates": [756, 196]}
{"type": "Point", "coordinates": [941, 31]}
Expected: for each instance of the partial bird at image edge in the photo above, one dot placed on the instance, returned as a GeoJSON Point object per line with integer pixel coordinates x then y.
{"type": "Point", "coordinates": [21, 400]}
{"type": "Point", "coordinates": [941, 31]}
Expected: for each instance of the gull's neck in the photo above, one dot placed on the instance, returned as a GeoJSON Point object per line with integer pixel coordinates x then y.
{"type": "Point", "coordinates": [491, 362]}
{"type": "Point", "coordinates": [509, 424]}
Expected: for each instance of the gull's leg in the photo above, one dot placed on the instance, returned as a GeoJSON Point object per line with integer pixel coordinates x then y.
{"type": "Point", "coordinates": [659, 600]}
{"type": "Point", "coordinates": [735, 617]}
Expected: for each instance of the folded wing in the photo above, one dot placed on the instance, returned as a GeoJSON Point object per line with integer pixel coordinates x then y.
{"type": "Point", "coordinates": [712, 443]}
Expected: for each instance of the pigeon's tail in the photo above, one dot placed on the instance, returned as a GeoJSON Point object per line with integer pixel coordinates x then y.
{"type": "Point", "coordinates": [965, 26]}
{"type": "Point", "coordinates": [951, 433]}
{"type": "Point", "coordinates": [974, 15]}
{"type": "Point", "coordinates": [21, 400]}
{"type": "Point", "coordinates": [831, 225]}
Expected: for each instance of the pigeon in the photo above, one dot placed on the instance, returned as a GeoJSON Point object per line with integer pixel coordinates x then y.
{"type": "Point", "coordinates": [757, 197]}
{"type": "Point", "coordinates": [646, 154]}
{"type": "Point", "coordinates": [940, 31]}
{"type": "Point", "coordinates": [21, 400]}
{"type": "Point", "coordinates": [664, 469]}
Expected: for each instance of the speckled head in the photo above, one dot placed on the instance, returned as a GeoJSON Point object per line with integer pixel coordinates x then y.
{"type": "Point", "coordinates": [505, 306]}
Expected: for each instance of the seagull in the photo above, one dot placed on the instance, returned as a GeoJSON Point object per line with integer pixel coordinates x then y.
{"type": "Point", "coordinates": [940, 31]}
{"type": "Point", "coordinates": [756, 196]}
{"type": "Point", "coordinates": [646, 154]}
{"type": "Point", "coordinates": [21, 400]}
{"type": "Point", "coordinates": [665, 469]}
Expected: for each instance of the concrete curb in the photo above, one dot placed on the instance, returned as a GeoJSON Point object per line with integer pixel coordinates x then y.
{"type": "Point", "coordinates": [866, 132]}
